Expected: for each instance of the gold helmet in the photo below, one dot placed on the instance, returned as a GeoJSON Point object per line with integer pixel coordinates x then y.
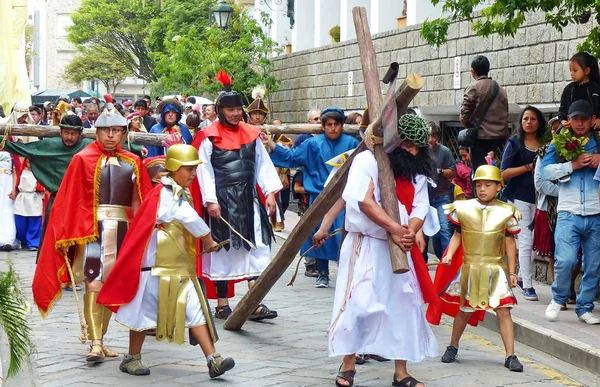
{"type": "Point", "coordinates": [488, 172]}
{"type": "Point", "coordinates": [180, 155]}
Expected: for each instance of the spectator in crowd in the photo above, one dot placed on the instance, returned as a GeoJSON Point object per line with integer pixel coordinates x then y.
{"type": "Point", "coordinates": [28, 208]}
{"type": "Point", "coordinates": [517, 168]}
{"type": "Point", "coordinates": [211, 115]}
{"type": "Point", "coordinates": [92, 111]}
{"type": "Point", "coordinates": [76, 102]}
{"type": "Point", "coordinates": [578, 222]}
{"type": "Point", "coordinates": [170, 115]}
{"type": "Point", "coordinates": [493, 131]}
{"type": "Point", "coordinates": [585, 86]}
{"type": "Point", "coordinates": [313, 155]}
{"type": "Point", "coordinates": [312, 117]}
{"type": "Point", "coordinates": [141, 106]}
{"type": "Point", "coordinates": [135, 122]}
{"type": "Point", "coordinates": [353, 119]}
{"type": "Point", "coordinates": [444, 172]}
{"type": "Point", "coordinates": [49, 109]}
{"type": "Point", "coordinates": [463, 172]}
{"type": "Point", "coordinates": [8, 192]}
{"type": "Point", "coordinates": [37, 115]}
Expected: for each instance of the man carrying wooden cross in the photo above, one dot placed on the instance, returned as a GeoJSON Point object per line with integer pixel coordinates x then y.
{"type": "Point", "coordinates": [384, 315]}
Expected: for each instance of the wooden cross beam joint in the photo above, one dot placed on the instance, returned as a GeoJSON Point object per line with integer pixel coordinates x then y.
{"type": "Point", "coordinates": [332, 192]}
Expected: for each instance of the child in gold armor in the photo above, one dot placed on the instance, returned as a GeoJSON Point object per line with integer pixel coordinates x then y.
{"type": "Point", "coordinates": [157, 287]}
{"type": "Point", "coordinates": [485, 227]}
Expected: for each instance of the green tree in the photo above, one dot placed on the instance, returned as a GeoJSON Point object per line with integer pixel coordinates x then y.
{"type": "Point", "coordinates": [13, 320]}
{"type": "Point", "coordinates": [100, 64]}
{"type": "Point", "coordinates": [192, 59]}
{"type": "Point", "coordinates": [506, 16]}
{"type": "Point", "coordinates": [119, 26]}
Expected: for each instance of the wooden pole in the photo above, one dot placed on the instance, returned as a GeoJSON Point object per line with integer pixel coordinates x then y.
{"type": "Point", "coordinates": [291, 246]}
{"type": "Point", "coordinates": [156, 139]}
{"type": "Point", "coordinates": [387, 185]}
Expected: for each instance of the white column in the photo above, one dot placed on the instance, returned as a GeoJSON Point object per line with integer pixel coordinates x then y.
{"type": "Point", "coordinates": [388, 11]}
{"type": "Point", "coordinates": [347, 31]}
{"type": "Point", "coordinates": [304, 28]}
{"type": "Point", "coordinates": [327, 15]}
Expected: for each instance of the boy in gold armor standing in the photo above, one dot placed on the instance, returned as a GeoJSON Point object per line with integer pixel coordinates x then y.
{"type": "Point", "coordinates": [155, 286]}
{"type": "Point", "coordinates": [485, 227]}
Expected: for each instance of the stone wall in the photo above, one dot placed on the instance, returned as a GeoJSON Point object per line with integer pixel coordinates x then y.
{"type": "Point", "coordinates": [532, 66]}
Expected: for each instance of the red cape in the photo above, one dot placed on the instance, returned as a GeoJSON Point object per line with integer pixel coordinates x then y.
{"type": "Point", "coordinates": [73, 219]}
{"type": "Point", "coordinates": [226, 138]}
{"type": "Point", "coordinates": [443, 276]}
{"type": "Point", "coordinates": [122, 284]}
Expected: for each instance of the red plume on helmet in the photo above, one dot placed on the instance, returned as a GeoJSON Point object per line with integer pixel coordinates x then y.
{"type": "Point", "coordinates": [224, 80]}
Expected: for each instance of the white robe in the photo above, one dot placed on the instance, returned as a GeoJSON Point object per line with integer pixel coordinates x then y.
{"type": "Point", "coordinates": [141, 313]}
{"type": "Point", "coordinates": [379, 312]}
{"type": "Point", "coordinates": [28, 202]}
{"type": "Point", "coordinates": [8, 230]}
{"type": "Point", "coordinates": [237, 264]}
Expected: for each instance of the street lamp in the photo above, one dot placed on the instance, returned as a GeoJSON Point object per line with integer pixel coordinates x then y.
{"type": "Point", "coordinates": [221, 14]}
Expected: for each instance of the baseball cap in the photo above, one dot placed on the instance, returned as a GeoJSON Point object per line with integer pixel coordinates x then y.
{"type": "Point", "coordinates": [581, 108]}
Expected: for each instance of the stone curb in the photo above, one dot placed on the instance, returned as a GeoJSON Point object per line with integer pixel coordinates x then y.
{"type": "Point", "coordinates": [560, 346]}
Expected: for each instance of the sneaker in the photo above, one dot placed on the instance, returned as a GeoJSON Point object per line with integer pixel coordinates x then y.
{"type": "Point", "coordinates": [589, 318]}
{"type": "Point", "coordinates": [133, 365]}
{"type": "Point", "coordinates": [530, 294]}
{"type": "Point", "coordinates": [513, 364]}
{"type": "Point", "coordinates": [450, 354]}
{"type": "Point", "coordinates": [32, 248]}
{"type": "Point", "coordinates": [217, 366]}
{"type": "Point", "coordinates": [553, 310]}
{"type": "Point", "coordinates": [322, 281]}
{"type": "Point", "coordinates": [520, 284]}
{"type": "Point", "coordinates": [311, 271]}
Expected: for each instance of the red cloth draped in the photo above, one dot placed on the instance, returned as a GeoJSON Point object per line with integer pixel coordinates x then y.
{"type": "Point", "coordinates": [72, 219]}
{"type": "Point", "coordinates": [122, 284]}
{"type": "Point", "coordinates": [405, 190]}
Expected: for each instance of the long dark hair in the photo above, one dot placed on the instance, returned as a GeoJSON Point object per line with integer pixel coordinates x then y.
{"type": "Point", "coordinates": [407, 166]}
{"type": "Point", "coordinates": [539, 134]}
{"type": "Point", "coordinates": [586, 61]}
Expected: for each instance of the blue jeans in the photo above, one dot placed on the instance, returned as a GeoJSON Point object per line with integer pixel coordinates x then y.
{"type": "Point", "coordinates": [571, 232]}
{"type": "Point", "coordinates": [441, 240]}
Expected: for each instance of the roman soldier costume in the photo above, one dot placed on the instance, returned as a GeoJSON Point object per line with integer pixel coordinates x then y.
{"type": "Point", "coordinates": [90, 218]}
{"type": "Point", "coordinates": [258, 105]}
{"type": "Point", "coordinates": [234, 163]}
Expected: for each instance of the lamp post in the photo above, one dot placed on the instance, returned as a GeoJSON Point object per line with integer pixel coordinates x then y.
{"type": "Point", "coordinates": [221, 14]}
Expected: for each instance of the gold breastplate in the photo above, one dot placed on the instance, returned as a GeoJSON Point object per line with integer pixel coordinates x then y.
{"type": "Point", "coordinates": [175, 252]}
{"type": "Point", "coordinates": [483, 230]}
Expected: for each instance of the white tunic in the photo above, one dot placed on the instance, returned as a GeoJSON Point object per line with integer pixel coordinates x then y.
{"type": "Point", "coordinates": [237, 264]}
{"type": "Point", "coordinates": [141, 313]}
{"type": "Point", "coordinates": [376, 311]}
{"type": "Point", "coordinates": [8, 231]}
{"type": "Point", "coordinates": [28, 202]}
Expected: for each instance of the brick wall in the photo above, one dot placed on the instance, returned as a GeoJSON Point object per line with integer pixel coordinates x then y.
{"type": "Point", "coordinates": [532, 66]}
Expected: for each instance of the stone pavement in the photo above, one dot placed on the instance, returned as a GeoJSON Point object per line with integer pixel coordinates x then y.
{"type": "Point", "coordinates": [288, 351]}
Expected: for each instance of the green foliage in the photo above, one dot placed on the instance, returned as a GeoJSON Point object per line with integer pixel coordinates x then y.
{"type": "Point", "coordinates": [193, 58]}
{"type": "Point", "coordinates": [334, 32]}
{"type": "Point", "coordinates": [13, 320]}
{"type": "Point", "coordinates": [506, 16]}
{"type": "Point", "coordinates": [175, 46]}
{"type": "Point", "coordinates": [119, 26]}
{"type": "Point", "coordinates": [99, 64]}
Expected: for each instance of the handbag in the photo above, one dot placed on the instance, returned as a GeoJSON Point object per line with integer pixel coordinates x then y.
{"type": "Point", "coordinates": [468, 136]}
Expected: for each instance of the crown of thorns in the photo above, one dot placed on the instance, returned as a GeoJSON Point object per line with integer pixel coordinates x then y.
{"type": "Point", "coordinates": [413, 128]}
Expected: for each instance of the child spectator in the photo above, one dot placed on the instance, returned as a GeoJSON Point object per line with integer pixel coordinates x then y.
{"type": "Point", "coordinates": [585, 86]}
{"type": "Point", "coordinates": [28, 208]}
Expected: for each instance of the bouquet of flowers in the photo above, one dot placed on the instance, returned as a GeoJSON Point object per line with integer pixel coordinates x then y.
{"type": "Point", "coordinates": [569, 146]}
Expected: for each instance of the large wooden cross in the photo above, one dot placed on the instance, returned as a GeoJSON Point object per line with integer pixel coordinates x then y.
{"type": "Point", "coordinates": [403, 96]}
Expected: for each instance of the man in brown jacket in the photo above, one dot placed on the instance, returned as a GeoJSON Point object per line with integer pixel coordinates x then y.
{"type": "Point", "coordinates": [493, 132]}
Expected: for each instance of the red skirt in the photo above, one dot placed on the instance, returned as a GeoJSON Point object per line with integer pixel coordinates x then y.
{"type": "Point", "coordinates": [543, 238]}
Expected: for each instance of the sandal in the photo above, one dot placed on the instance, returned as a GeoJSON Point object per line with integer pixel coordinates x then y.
{"type": "Point", "coordinates": [96, 354]}
{"type": "Point", "coordinates": [223, 312]}
{"type": "Point", "coordinates": [375, 357]}
{"type": "Point", "coordinates": [345, 375]}
{"type": "Point", "coordinates": [361, 359]}
{"type": "Point", "coordinates": [109, 352]}
{"type": "Point", "coordinates": [262, 313]}
{"type": "Point", "coordinates": [408, 381]}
